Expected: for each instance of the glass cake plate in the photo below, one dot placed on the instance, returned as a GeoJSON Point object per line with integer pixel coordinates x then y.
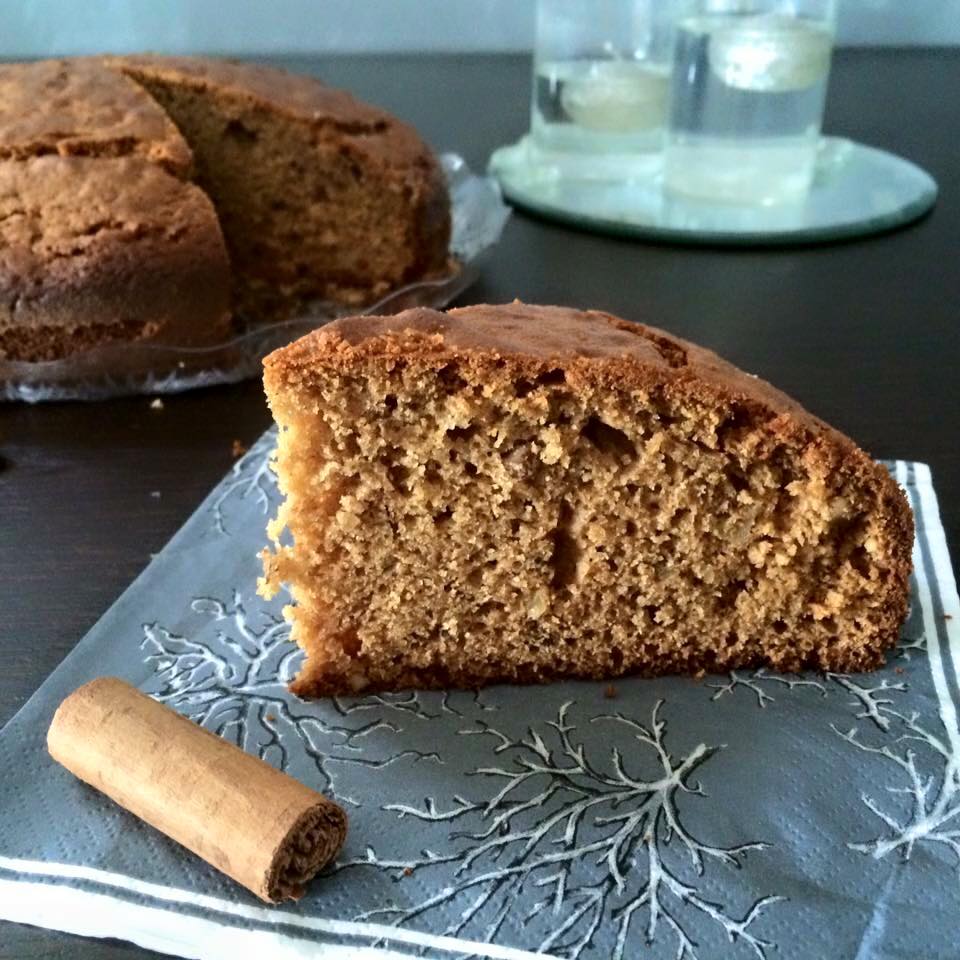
{"type": "Point", "coordinates": [117, 369]}
{"type": "Point", "coordinates": [858, 190]}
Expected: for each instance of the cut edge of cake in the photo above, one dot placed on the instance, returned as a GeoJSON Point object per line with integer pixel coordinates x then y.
{"type": "Point", "coordinates": [285, 143]}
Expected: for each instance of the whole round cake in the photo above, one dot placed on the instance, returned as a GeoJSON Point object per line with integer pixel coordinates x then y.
{"type": "Point", "coordinates": [159, 199]}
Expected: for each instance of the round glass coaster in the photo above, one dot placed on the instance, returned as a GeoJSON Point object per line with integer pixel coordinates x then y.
{"type": "Point", "coordinates": [857, 190]}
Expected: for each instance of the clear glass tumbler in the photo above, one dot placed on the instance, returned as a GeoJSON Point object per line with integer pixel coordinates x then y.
{"type": "Point", "coordinates": [746, 106]}
{"type": "Point", "coordinates": [601, 78]}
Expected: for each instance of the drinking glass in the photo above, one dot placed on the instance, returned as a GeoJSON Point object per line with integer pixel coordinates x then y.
{"type": "Point", "coordinates": [747, 97]}
{"type": "Point", "coordinates": [601, 79]}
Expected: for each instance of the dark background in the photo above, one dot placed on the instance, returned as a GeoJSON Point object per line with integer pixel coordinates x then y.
{"type": "Point", "coordinates": [865, 333]}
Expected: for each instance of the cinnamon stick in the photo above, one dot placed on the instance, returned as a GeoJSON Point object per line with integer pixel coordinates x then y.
{"type": "Point", "coordinates": [253, 823]}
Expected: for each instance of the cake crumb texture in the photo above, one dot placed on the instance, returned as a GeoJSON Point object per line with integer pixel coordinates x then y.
{"type": "Point", "coordinates": [521, 493]}
{"type": "Point", "coordinates": [320, 196]}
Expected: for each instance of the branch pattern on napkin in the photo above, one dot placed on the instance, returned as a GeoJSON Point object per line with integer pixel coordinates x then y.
{"type": "Point", "coordinates": [748, 815]}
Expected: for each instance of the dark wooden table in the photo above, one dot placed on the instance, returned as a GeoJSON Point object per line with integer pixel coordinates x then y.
{"type": "Point", "coordinates": [866, 334]}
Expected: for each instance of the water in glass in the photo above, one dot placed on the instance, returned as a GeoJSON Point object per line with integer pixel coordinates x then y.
{"type": "Point", "coordinates": [747, 100]}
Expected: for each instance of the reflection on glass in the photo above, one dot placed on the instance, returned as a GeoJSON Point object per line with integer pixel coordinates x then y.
{"type": "Point", "coordinates": [601, 84]}
{"type": "Point", "coordinates": [748, 93]}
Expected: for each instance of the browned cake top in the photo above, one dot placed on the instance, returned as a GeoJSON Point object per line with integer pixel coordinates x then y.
{"type": "Point", "coordinates": [55, 207]}
{"type": "Point", "coordinates": [296, 96]}
{"type": "Point", "coordinates": [76, 228]}
{"type": "Point", "coordinates": [542, 336]}
{"type": "Point", "coordinates": [81, 108]}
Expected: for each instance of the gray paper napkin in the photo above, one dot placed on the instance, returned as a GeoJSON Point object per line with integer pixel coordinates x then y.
{"type": "Point", "coordinates": [748, 815]}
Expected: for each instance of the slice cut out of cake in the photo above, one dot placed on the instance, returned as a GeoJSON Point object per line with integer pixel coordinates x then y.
{"type": "Point", "coordinates": [320, 196]}
{"type": "Point", "coordinates": [522, 493]}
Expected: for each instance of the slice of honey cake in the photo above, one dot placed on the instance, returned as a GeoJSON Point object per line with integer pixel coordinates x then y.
{"type": "Point", "coordinates": [520, 493]}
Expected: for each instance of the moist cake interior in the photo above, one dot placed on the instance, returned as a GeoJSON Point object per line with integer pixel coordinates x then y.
{"type": "Point", "coordinates": [299, 218]}
{"type": "Point", "coordinates": [458, 520]}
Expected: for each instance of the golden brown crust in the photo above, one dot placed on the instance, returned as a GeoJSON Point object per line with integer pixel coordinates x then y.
{"type": "Point", "coordinates": [299, 98]}
{"type": "Point", "coordinates": [79, 108]}
{"type": "Point", "coordinates": [534, 337]}
{"type": "Point", "coordinates": [599, 354]}
{"type": "Point", "coordinates": [98, 249]}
